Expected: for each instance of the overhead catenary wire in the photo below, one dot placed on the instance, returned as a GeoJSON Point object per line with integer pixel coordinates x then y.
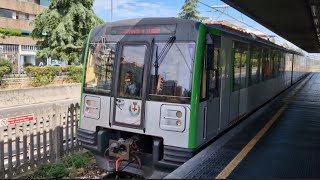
{"type": "Point", "coordinates": [233, 18]}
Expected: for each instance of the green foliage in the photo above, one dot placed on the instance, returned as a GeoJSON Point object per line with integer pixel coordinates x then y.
{"type": "Point", "coordinates": [189, 10]}
{"type": "Point", "coordinates": [63, 28]}
{"type": "Point", "coordinates": [52, 171]}
{"type": "Point", "coordinates": [65, 167]}
{"type": "Point", "coordinates": [74, 73]}
{"type": "Point", "coordinates": [5, 68]}
{"type": "Point", "coordinates": [11, 32]}
{"type": "Point", "coordinates": [41, 76]}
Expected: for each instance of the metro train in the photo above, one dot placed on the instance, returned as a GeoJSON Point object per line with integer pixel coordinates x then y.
{"type": "Point", "coordinates": [156, 91]}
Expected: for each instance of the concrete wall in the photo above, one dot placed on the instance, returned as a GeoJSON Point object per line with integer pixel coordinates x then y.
{"type": "Point", "coordinates": [18, 97]}
{"type": "Point", "coordinates": [16, 24]}
{"type": "Point", "coordinates": [18, 40]}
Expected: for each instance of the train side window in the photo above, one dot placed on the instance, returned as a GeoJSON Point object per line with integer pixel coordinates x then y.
{"type": "Point", "coordinates": [239, 65]}
{"type": "Point", "coordinates": [272, 62]}
{"type": "Point", "coordinates": [212, 66]}
{"type": "Point", "coordinates": [254, 65]}
{"type": "Point", "coordinates": [207, 62]}
{"type": "Point", "coordinates": [265, 64]}
{"type": "Point", "coordinates": [282, 63]}
{"type": "Point", "coordinates": [204, 80]}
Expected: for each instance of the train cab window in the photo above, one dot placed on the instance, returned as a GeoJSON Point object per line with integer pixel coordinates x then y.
{"type": "Point", "coordinates": [171, 72]}
{"type": "Point", "coordinates": [99, 68]}
{"type": "Point", "coordinates": [240, 65]}
{"type": "Point", "coordinates": [254, 65]}
{"type": "Point", "coordinates": [131, 70]}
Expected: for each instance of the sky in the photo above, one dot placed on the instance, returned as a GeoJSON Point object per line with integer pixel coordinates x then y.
{"type": "Point", "coordinates": [125, 9]}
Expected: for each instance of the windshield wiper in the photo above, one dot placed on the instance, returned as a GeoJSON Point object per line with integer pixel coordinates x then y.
{"type": "Point", "coordinates": [163, 53]}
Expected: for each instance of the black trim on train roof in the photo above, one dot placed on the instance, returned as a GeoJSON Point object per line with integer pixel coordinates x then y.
{"type": "Point", "coordinates": [186, 30]}
{"type": "Point", "coordinates": [250, 37]}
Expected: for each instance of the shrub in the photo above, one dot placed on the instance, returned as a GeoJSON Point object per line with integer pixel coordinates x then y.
{"type": "Point", "coordinates": [12, 32]}
{"type": "Point", "coordinates": [74, 73]}
{"type": "Point", "coordinates": [65, 167]}
{"type": "Point", "coordinates": [5, 68]}
{"type": "Point", "coordinates": [42, 75]}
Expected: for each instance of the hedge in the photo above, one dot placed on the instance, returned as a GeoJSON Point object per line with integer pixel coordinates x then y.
{"type": "Point", "coordinates": [5, 68]}
{"type": "Point", "coordinates": [11, 32]}
{"type": "Point", "coordinates": [42, 76]}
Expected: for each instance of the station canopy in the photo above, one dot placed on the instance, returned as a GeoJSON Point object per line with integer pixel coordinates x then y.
{"type": "Point", "coordinates": [298, 21]}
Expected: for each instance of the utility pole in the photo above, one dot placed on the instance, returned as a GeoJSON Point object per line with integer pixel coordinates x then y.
{"type": "Point", "coordinates": [111, 9]}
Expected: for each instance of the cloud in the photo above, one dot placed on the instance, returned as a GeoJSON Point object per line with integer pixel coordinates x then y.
{"type": "Point", "coordinates": [124, 9]}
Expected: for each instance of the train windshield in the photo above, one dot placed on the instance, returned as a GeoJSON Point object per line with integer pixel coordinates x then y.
{"type": "Point", "coordinates": [172, 74]}
{"type": "Point", "coordinates": [99, 68]}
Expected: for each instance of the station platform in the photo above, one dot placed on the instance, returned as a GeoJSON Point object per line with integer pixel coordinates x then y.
{"type": "Point", "coordinates": [281, 140]}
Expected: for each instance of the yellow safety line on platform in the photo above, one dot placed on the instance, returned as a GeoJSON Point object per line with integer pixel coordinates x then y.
{"type": "Point", "coordinates": [235, 162]}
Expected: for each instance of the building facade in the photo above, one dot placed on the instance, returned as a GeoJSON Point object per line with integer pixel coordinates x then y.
{"type": "Point", "coordinates": [17, 16]}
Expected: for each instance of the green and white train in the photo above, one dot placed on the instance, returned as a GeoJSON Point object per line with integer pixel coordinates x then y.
{"type": "Point", "coordinates": [157, 90]}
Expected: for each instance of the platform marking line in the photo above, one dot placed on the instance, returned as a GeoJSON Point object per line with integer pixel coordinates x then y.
{"type": "Point", "coordinates": [234, 163]}
{"type": "Point", "coordinates": [243, 153]}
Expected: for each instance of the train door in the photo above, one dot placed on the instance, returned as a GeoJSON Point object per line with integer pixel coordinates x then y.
{"type": "Point", "coordinates": [213, 77]}
{"type": "Point", "coordinates": [225, 86]}
{"type": "Point", "coordinates": [238, 79]}
{"type": "Point", "coordinates": [129, 93]}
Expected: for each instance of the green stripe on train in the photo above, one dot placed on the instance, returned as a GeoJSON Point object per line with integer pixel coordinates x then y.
{"type": "Point", "coordinates": [196, 82]}
{"type": "Point", "coordinates": [83, 72]}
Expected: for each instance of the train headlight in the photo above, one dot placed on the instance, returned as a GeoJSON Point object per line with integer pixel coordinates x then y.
{"type": "Point", "coordinates": [91, 107]}
{"type": "Point", "coordinates": [178, 123]}
{"type": "Point", "coordinates": [173, 118]}
{"type": "Point", "coordinates": [89, 103]}
{"type": "Point", "coordinates": [179, 114]}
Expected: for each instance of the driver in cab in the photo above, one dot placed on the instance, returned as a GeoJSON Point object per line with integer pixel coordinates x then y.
{"type": "Point", "coordinates": [131, 87]}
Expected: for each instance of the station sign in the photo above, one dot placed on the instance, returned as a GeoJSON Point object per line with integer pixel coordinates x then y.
{"type": "Point", "coordinates": [16, 120]}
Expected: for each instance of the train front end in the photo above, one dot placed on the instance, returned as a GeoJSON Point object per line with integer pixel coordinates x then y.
{"type": "Point", "coordinates": [136, 100]}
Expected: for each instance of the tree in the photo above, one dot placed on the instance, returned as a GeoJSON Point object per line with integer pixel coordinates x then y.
{"type": "Point", "coordinates": [63, 27]}
{"type": "Point", "coordinates": [189, 10]}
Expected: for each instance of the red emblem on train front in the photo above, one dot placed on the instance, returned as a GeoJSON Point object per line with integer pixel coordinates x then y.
{"type": "Point", "coordinates": [134, 108]}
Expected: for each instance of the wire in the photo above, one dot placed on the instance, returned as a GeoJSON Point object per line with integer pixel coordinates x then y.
{"type": "Point", "coordinates": [127, 164]}
{"type": "Point", "coordinates": [118, 162]}
{"type": "Point", "coordinates": [230, 16]}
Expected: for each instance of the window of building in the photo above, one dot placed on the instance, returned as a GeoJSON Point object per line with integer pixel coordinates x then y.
{"type": "Point", "coordinates": [44, 2]}
{"type": "Point", "coordinates": [6, 13]}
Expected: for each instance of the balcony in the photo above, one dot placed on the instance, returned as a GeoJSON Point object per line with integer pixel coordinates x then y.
{"type": "Point", "coordinates": [25, 7]}
{"type": "Point", "coordinates": [19, 40]}
{"type": "Point", "coordinates": [16, 24]}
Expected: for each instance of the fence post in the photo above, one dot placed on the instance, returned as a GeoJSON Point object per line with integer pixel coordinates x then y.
{"type": "Point", "coordinates": [57, 133]}
{"type": "Point", "coordinates": [2, 168]}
